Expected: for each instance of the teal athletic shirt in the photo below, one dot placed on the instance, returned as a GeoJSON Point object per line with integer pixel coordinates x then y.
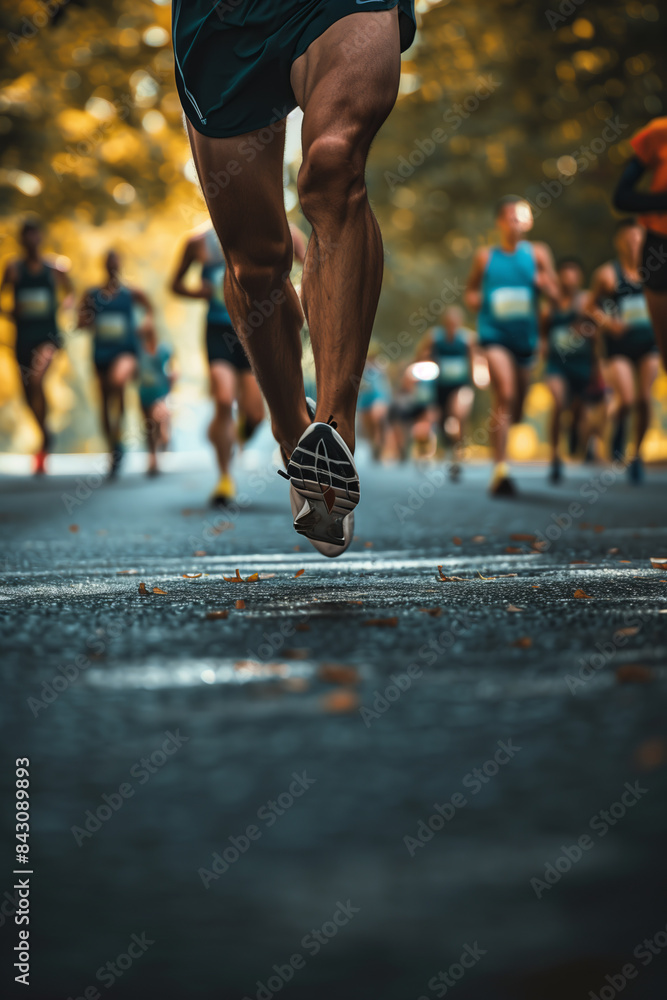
{"type": "Point", "coordinates": [628, 303]}
{"type": "Point", "coordinates": [571, 355]}
{"type": "Point", "coordinates": [452, 357]}
{"type": "Point", "coordinates": [509, 313]}
{"type": "Point", "coordinates": [114, 325]}
{"type": "Point", "coordinates": [233, 58]}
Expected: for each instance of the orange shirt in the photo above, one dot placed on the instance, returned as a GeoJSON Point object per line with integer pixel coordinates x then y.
{"type": "Point", "coordinates": [650, 145]}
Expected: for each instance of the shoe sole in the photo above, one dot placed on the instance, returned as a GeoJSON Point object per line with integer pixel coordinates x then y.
{"type": "Point", "coordinates": [324, 477]}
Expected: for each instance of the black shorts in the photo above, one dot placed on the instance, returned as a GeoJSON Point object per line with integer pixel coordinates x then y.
{"type": "Point", "coordinates": [443, 393]}
{"type": "Point", "coordinates": [234, 57]}
{"type": "Point", "coordinates": [24, 351]}
{"type": "Point", "coordinates": [223, 344]}
{"type": "Point", "coordinates": [654, 261]}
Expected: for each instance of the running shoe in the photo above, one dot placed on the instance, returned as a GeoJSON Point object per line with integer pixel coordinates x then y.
{"type": "Point", "coordinates": [324, 488]}
{"type": "Point", "coordinates": [225, 491]}
{"type": "Point", "coordinates": [115, 459]}
{"type": "Point", "coordinates": [636, 471]}
{"type": "Point", "coordinates": [501, 484]}
{"type": "Point", "coordinates": [39, 463]}
{"type": "Point", "coordinates": [556, 471]}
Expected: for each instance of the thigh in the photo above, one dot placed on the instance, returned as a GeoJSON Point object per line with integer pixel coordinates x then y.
{"type": "Point", "coordinates": [121, 370]}
{"type": "Point", "coordinates": [42, 356]}
{"type": "Point", "coordinates": [621, 377]}
{"type": "Point", "coordinates": [242, 182]}
{"type": "Point", "coordinates": [648, 372]}
{"type": "Point", "coordinates": [347, 79]}
{"type": "Point", "coordinates": [502, 372]}
{"type": "Point", "coordinates": [223, 383]}
{"type": "Point", "coordinates": [462, 402]}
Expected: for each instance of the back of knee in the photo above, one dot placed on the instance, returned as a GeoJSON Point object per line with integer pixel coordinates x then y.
{"type": "Point", "coordinates": [331, 179]}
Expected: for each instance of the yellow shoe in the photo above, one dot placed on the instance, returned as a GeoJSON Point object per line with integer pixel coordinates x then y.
{"type": "Point", "coordinates": [225, 491]}
{"type": "Point", "coordinates": [501, 483]}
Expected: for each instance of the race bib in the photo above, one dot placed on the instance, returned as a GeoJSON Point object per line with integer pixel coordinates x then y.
{"type": "Point", "coordinates": [566, 341]}
{"type": "Point", "coordinates": [111, 326]}
{"type": "Point", "coordinates": [33, 302]}
{"type": "Point", "coordinates": [453, 369]}
{"type": "Point", "coordinates": [511, 303]}
{"type": "Point", "coordinates": [633, 310]}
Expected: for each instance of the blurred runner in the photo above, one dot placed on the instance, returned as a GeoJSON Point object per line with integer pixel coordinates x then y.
{"type": "Point", "coordinates": [156, 378]}
{"type": "Point", "coordinates": [374, 401]}
{"type": "Point", "coordinates": [36, 283]}
{"type": "Point", "coordinates": [450, 346]}
{"type": "Point", "coordinates": [650, 146]}
{"type": "Point", "coordinates": [413, 412]}
{"type": "Point", "coordinates": [109, 312]}
{"type": "Point", "coordinates": [238, 77]}
{"type": "Point", "coordinates": [572, 369]}
{"type": "Point", "coordinates": [618, 305]}
{"type": "Point", "coordinates": [231, 376]}
{"type": "Point", "coordinates": [504, 287]}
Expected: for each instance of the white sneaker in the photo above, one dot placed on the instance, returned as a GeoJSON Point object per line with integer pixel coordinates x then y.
{"type": "Point", "coordinates": [324, 489]}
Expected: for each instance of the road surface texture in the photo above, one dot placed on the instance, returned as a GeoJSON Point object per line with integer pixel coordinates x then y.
{"type": "Point", "coordinates": [364, 781]}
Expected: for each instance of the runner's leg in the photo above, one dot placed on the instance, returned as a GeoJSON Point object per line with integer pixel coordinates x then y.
{"type": "Point", "coordinates": [248, 213]}
{"type": "Point", "coordinates": [346, 83]}
{"type": "Point", "coordinates": [657, 306]}
{"type": "Point", "coordinates": [221, 431]}
{"type": "Point", "coordinates": [647, 374]}
{"type": "Point", "coordinates": [250, 400]}
{"type": "Point", "coordinates": [504, 383]}
{"type": "Point", "coordinates": [557, 388]}
{"type": "Point", "coordinates": [620, 375]}
{"type": "Point", "coordinates": [42, 357]}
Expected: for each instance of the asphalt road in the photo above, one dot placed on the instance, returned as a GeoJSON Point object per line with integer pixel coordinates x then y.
{"type": "Point", "coordinates": [367, 781]}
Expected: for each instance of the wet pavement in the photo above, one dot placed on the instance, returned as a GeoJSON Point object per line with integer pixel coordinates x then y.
{"type": "Point", "coordinates": [366, 780]}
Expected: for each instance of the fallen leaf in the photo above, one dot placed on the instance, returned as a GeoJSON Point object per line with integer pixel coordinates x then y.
{"type": "Point", "coordinates": [457, 540]}
{"type": "Point", "coordinates": [142, 588]}
{"type": "Point", "coordinates": [338, 673]}
{"type": "Point", "coordinates": [579, 562]}
{"type": "Point", "coordinates": [296, 684]}
{"type": "Point", "coordinates": [659, 562]}
{"type": "Point", "coordinates": [382, 622]}
{"type": "Point", "coordinates": [74, 528]}
{"type": "Point", "coordinates": [523, 643]}
{"type": "Point", "coordinates": [156, 590]}
{"type": "Point", "coordinates": [540, 546]}
{"type": "Point", "coordinates": [517, 537]}
{"type": "Point", "coordinates": [253, 578]}
{"type": "Point", "coordinates": [598, 528]}
{"type": "Point", "coordinates": [627, 561]}
{"type": "Point", "coordinates": [233, 579]}
{"type": "Point", "coordinates": [634, 673]}
{"type": "Point", "coordinates": [612, 552]}
{"type": "Point", "coordinates": [536, 586]}
{"type": "Point", "coordinates": [582, 593]}
{"type": "Point", "coordinates": [513, 607]}
{"type": "Point", "coordinates": [239, 605]}
{"type": "Point", "coordinates": [340, 701]}
{"type": "Point", "coordinates": [513, 550]}
{"type": "Point", "coordinates": [631, 630]}
{"type": "Point", "coordinates": [433, 612]}
{"type": "Point", "coordinates": [485, 577]}
{"type": "Point", "coordinates": [478, 539]}
{"type": "Point", "coordinates": [296, 548]}
{"type": "Point", "coordinates": [448, 578]}
{"type": "Point", "coordinates": [191, 576]}
{"type": "Point", "coordinates": [299, 572]}
{"type": "Point", "coordinates": [650, 754]}
{"type": "Point", "coordinates": [296, 654]}
{"type": "Point", "coordinates": [354, 602]}
{"type": "Point", "coordinates": [368, 545]}
{"type": "Point", "coordinates": [199, 552]}
{"type": "Point", "coordinates": [302, 628]}
{"type": "Point", "coordinates": [127, 572]}
{"type": "Point", "coordinates": [212, 616]}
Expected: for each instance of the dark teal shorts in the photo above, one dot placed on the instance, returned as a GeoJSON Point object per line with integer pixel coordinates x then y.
{"type": "Point", "coordinates": [233, 58]}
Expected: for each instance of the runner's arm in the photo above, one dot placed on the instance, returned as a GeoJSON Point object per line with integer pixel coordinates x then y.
{"type": "Point", "coordinates": [602, 286]}
{"type": "Point", "coordinates": [64, 283]}
{"type": "Point", "coordinates": [86, 314]}
{"type": "Point", "coordinates": [8, 281]}
{"type": "Point", "coordinates": [189, 257]}
{"type": "Point", "coordinates": [628, 199]}
{"type": "Point", "coordinates": [547, 282]}
{"type": "Point", "coordinates": [473, 293]}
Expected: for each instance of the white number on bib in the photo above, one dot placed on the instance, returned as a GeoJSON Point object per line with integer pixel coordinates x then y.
{"type": "Point", "coordinates": [33, 302]}
{"type": "Point", "coordinates": [452, 369]}
{"type": "Point", "coordinates": [111, 325]}
{"type": "Point", "coordinates": [633, 310]}
{"type": "Point", "coordinates": [511, 303]}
